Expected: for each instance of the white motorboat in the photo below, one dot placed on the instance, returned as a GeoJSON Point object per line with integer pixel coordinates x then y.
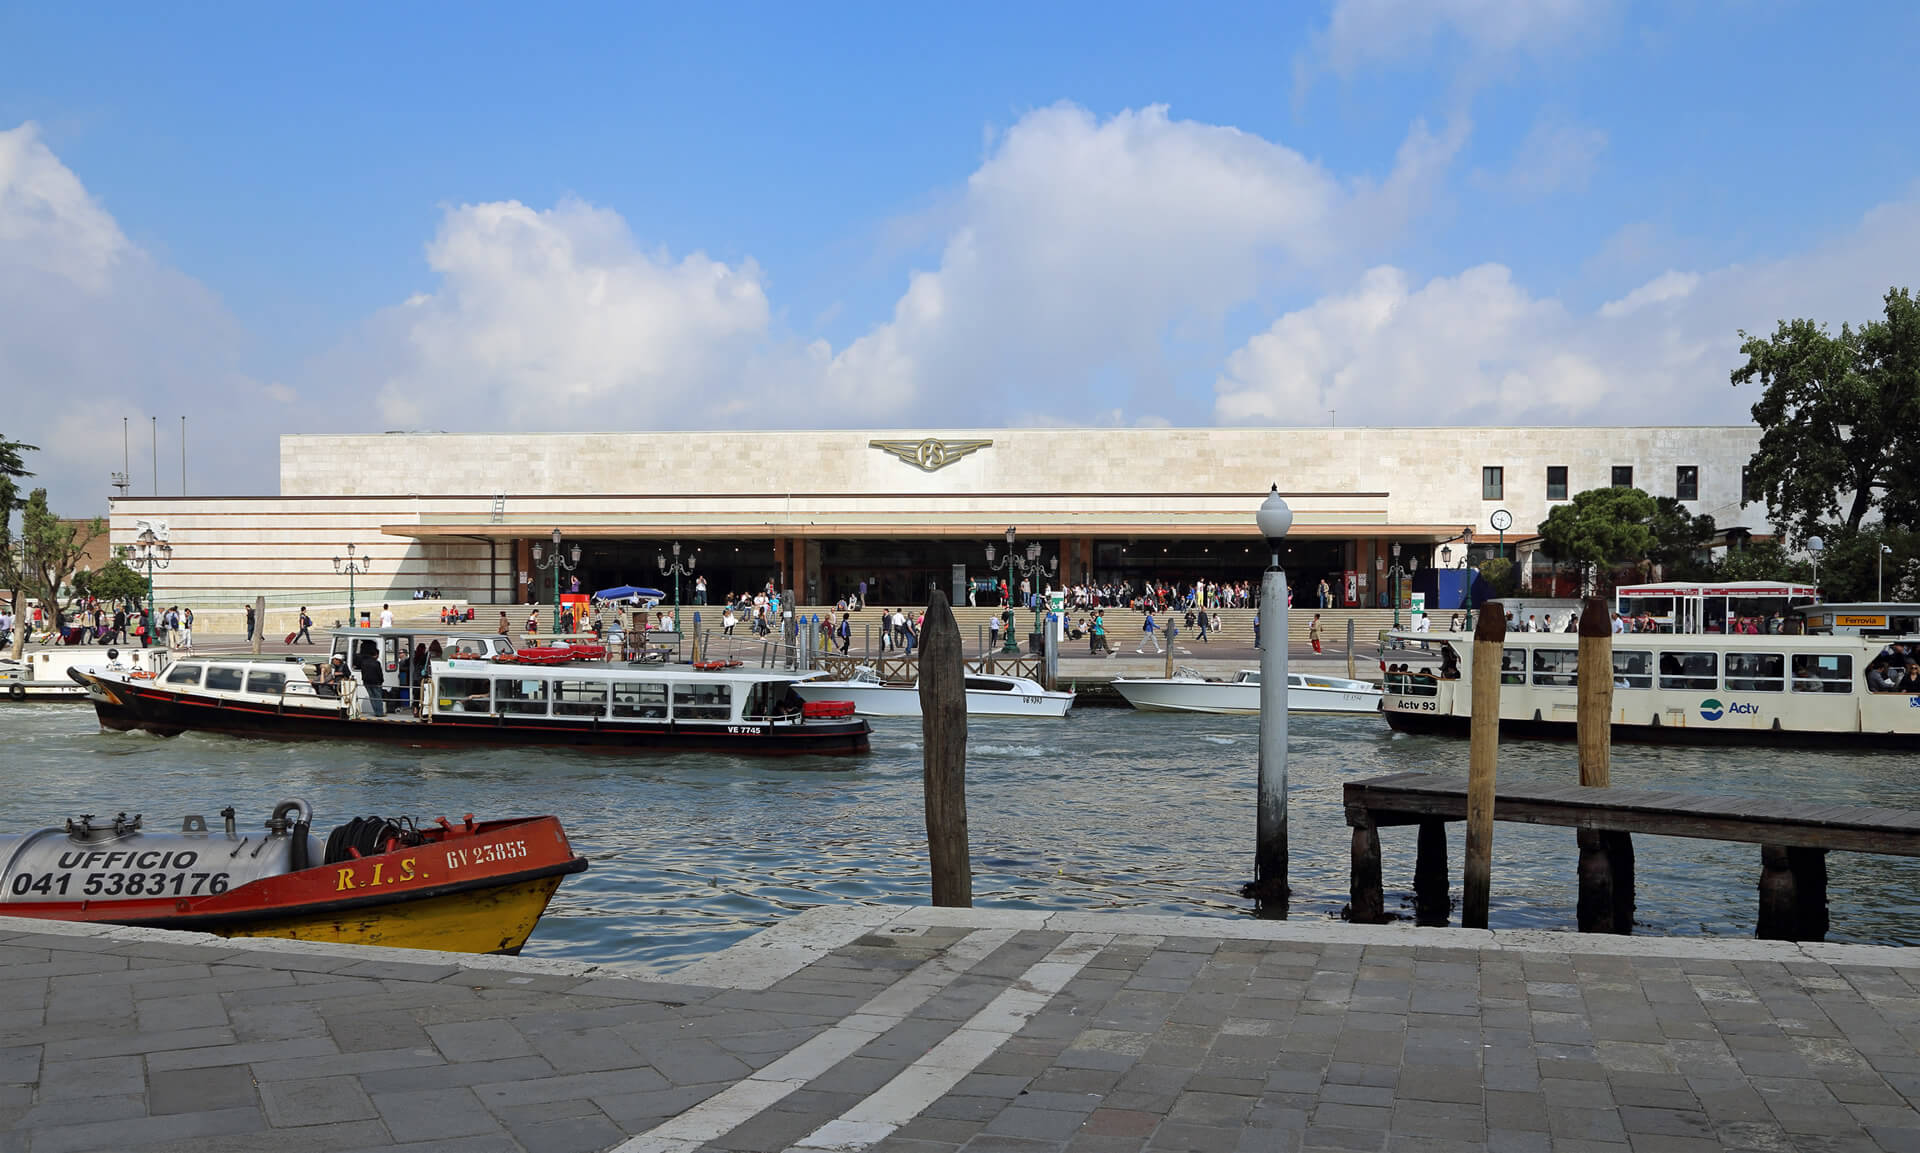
{"type": "Point", "coordinates": [987, 696]}
{"type": "Point", "coordinates": [1186, 691]}
{"type": "Point", "coordinates": [41, 674]}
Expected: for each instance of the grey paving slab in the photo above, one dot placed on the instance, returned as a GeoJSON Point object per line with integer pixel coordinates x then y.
{"type": "Point", "coordinates": [1157, 1034]}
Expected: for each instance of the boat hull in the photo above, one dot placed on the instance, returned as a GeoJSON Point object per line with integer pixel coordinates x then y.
{"type": "Point", "coordinates": [904, 700]}
{"type": "Point", "coordinates": [125, 707]}
{"type": "Point", "coordinates": [476, 889]}
{"type": "Point", "coordinates": [1236, 699]}
{"type": "Point", "coordinates": [1518, 728]}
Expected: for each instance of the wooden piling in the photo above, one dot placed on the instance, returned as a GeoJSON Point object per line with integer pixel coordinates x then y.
{"type": "Point", "coordinates": [1606, 858]}
{"type": "Point", "coordinates": [1366, 895]}
{"type": "Point", "coordinates": [1483, 755]}
{"type": "Point", "coordinates": [1431, 899]}
{"type": "Point", "coordinates": [943, 730]}
{"type": "Point", "coordinates": [1350, 648]}
{"type": "Point", "coordinates": [259, 623]}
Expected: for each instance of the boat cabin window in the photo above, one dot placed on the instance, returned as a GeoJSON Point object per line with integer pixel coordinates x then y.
{"type": "Point", "coordinates": [1689, 670]}
{"type": "Point", "coordinates": [1822, 673]}
{"type": "Point", "coordinates": [272, 682]}
{"type": "Point", "coordinates": [771, 700]}
{"type": "Point", "coordinates": [988, 684]}
{"type": "Point", "coordinates": [643, 701]}
{"type": "Point", "coordinates": [1559, 668]}
{"type": "Point", "coordinates": [184, 674]}
{"type": "Point", "coordinates": [517, 696]}
{"type": "Point", "coordinates": [223, 678]}
{"type": "Point", "coordinates": [702, 701]}
{"type": "Point", "coordinates": [1756, 672]}
{"type": "Point", "coordinates": [463, 694]}
{"type": "Point", "coordinates": [580, 698]}
{"type": "Point", "coordinates": [468, 649]}
{"type": "Point", "coordinates": [1513, 666]}
{"type": "Point", "coordinates": [1632, 669]}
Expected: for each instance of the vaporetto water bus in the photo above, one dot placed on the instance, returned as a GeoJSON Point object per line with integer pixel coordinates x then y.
{"type": "Point", "coordinates": [1700, 688]}
{"type": "Point", "coordinates": [738, 710]}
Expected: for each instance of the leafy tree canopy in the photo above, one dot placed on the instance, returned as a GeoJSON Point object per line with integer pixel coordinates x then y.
{"type": "Point", "coordinates": [1601, 527]}
{"type": "Point", "coordinates": [113, 583]}
{"type": "Point", "coordinates": [49, 550]}
{"type": "Point", "coordinates": [1837, 415]}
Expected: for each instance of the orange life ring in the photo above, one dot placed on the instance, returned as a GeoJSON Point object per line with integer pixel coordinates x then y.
{"type": "Point", "coordinates": [142, 675]}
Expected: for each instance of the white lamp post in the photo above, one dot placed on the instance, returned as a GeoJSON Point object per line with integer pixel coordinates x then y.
{"type": "Point", "coordinates": [1815, 546]}
{"type": "Point", "coordinates": [1880, 573]}
{"type": "Point", "coordinates": [1269, 888]}
{"type": "Point", "coordinates": [351, 566]}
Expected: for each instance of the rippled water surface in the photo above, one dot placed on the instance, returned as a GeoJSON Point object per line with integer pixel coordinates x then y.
{"type": "Point", "coordinates": [1108, 809]}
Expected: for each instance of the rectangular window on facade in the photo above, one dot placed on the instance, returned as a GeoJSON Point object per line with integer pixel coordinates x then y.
{"type": "Point", "coordinates": [1556, 482]}
{"type": "Point", "coordinates": [1749, 491]}
{"type": "Point", "coordinates": [1686, 482]}
{"type": "Point", "coordinates": [1623, 476]}
{"type": "Point", "coordinates": [1493, 483]}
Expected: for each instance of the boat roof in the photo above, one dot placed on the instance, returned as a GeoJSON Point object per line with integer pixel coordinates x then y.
{"type": "Point", "coordinates": [1716, 588]}
{"type": "Point", "coordinates": [1860, 608]}
{"type": "Point", "coordinates": [1676, 642]}
{"type": "Point", "coordinates": [619, 672]}
{"type": "Point", "coordinates": [439, 630]}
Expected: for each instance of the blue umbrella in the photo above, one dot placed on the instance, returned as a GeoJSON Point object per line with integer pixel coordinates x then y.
{"type": "Point", "coordinates": [629, 592]}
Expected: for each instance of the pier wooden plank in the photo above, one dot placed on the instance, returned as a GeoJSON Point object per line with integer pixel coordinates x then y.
{"type": "Point", "coordinates": [1409, 798]}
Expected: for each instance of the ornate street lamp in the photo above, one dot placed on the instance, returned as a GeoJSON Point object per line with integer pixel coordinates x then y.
{"type": "Point", "coordinates": [677, 570]}
{"type": "Point", "coordinates": [1816, 546]}
{"type": "Point", "coordinates": [149, 552]}
{"type": "Point", "coordinates": [1017, 566]}
{"type": "Point", "coordinates": [555, 561]}
{"type": "Point", "coordinates": [351, 565]}
{"type": "Point", "coordinates": [1396, 584]}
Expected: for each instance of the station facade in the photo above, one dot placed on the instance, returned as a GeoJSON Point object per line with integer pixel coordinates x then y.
{"type": "Point", "coordinates": [820, 511]}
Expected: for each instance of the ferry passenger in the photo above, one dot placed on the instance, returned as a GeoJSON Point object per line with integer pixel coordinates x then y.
{"type": "Point", "coordinates": [1449, 662]}
{"type": "Point", "coordinates": [1883, 676]}
{"type": "Point", "coordinates": [367, 663]}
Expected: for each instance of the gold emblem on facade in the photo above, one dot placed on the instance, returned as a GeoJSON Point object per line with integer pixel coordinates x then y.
{"type": "Point", "coordinates": [931, 454]}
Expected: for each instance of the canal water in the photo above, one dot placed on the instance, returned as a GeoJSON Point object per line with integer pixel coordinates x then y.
{"type": "Point", "coordinates": [1108, 809]}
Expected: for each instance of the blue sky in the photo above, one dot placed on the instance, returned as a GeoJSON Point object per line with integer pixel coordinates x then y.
{"type": "Point", "coordinates": [277, 218]}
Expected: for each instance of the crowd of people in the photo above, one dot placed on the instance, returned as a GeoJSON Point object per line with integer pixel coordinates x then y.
{"type": "Point", "coordinates": [1896, 669]}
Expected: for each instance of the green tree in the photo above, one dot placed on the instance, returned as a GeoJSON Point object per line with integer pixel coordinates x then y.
{"type": "Point", "coordinates": [49, 552]}
{"type": "Point", "coordinates": [12, 468]}
{"type": "Point", "coordinates": [1763, 560]}
{"type": "Point", "coordinates": [1498, 572]}
{"type": "Point", "coordinates": [1679, 537]}
{"type": "Point", "coordinates": [1600, 528]}
{"type": "Point", "coordinates": [1837, 416]}
{"type": "Point", "coordinates": [113, 582]}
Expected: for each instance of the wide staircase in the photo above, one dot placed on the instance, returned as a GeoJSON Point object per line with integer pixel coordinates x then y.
{"type": "Point", "coordinates": [1123, 625]}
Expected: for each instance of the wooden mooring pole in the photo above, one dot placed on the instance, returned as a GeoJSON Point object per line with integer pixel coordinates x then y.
{"type": "Point", "coordinates": [1606, 857]}
{"type": "Point", "coordinates": [1483, 755]}
{"type": "Point", "coordinates": [943, 730]}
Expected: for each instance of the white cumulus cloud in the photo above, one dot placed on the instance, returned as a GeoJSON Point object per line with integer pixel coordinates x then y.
{"type": "Point", "coordinates": [1480, 348]}
{"type": "Point", "coordinates": [93, 329]}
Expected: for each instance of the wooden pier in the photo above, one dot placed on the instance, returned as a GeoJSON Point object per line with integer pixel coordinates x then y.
{"type": "Point", "coordinates": [1794, 837]}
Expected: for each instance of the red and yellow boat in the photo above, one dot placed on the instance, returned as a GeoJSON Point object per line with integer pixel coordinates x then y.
{"type": "Point", "coordinates": [467, 887]}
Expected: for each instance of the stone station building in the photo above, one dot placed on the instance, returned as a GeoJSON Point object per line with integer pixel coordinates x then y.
{"type": "Point", "coordinates": [821, 511]}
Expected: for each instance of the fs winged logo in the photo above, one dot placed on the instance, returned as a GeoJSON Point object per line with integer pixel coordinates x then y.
{"type": "Point", "coordinates": [930, 454]}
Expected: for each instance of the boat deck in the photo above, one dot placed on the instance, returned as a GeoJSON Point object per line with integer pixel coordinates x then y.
{"type": "Point", "coordinates": [926, 1030]}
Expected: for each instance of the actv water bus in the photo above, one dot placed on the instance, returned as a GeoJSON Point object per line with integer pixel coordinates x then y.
{"type": "Point", "coordinates": [1727, 607]}
{"type": "Point", "coordinates": [1667, 689]}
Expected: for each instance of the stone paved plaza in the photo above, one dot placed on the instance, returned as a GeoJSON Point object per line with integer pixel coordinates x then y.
{"type": "Point", "coordinates": [927, 1031]}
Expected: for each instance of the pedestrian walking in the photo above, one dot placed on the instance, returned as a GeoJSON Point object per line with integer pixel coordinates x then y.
{"type": "Point", "coordinates": [250, 622]}
{"type": "Point", "coordinates": [1147, 636]}
{"type": "Point", "coordinates": [306, 624]}
{"type": "Point", "coordinates": [1313, 632]}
